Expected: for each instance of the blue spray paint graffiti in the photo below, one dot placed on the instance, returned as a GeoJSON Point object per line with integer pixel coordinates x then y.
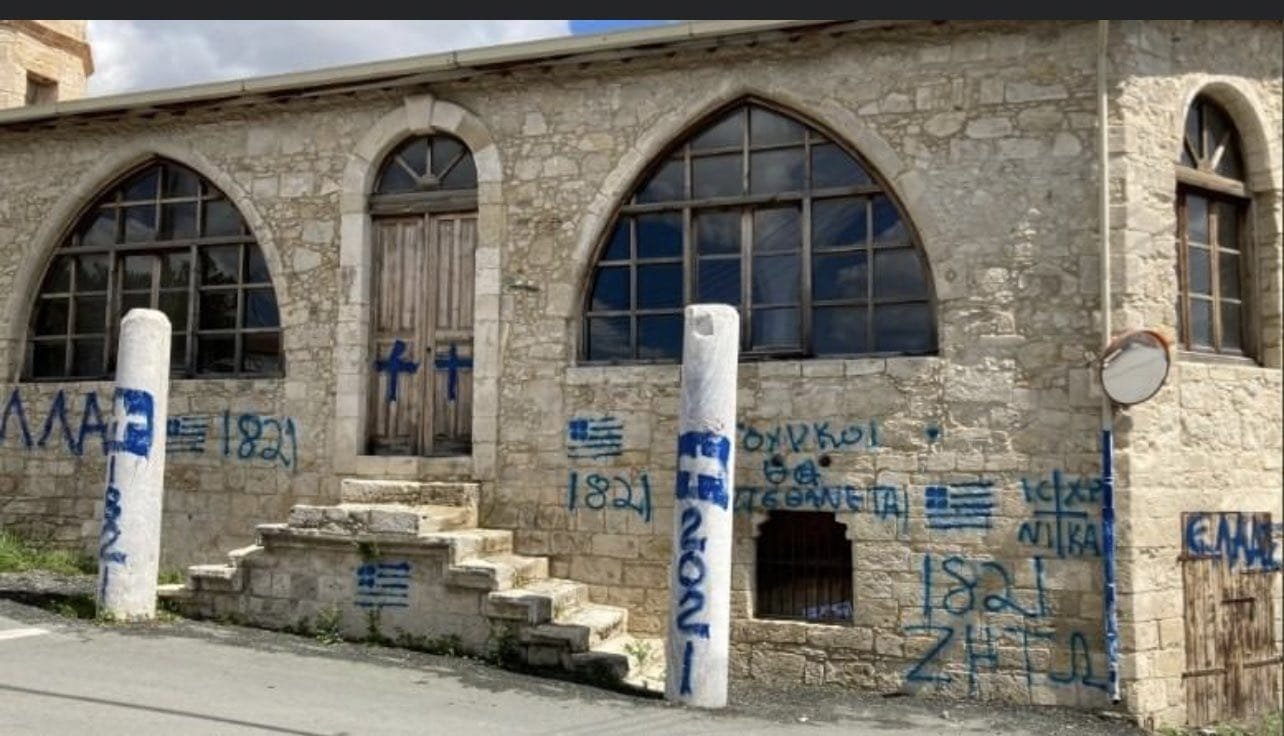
{"type": "Point", "coordinates": [248, 437]}
{"type": "Point", "coordinates": [885, 502]}
{"type": "Point", "coordinates": [395, 365]}
{"type": "Point", "coordinates": [701, 480]}
{"type": "Point", "coordinates": [1062, 521]}
{"type": "Point", "coordinates": [108, 555]}
{"type": "Point", "coordinates": [1232, 537]}
{"type": "Point", "coordinates": [383, 585]}
{"type": "Point", "coordinates": [594, 438]}
{"type": "Point", "coordinates": [807, 436]}
{"type": "Point", "coordinates": [959, 505]}
{"type": "Point", "coordinates": [134, 437]}
{"type": "Point", "coordinates": [610, 492]}
{"type": "Point", "coordinates": [452, 364]}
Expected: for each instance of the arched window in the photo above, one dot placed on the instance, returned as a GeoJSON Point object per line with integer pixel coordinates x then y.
{"type": "Point", "coordinates": [163, 238]}
{"type": "Point", "coordinates": [1212, 252]}
{"type": "Point", "coordinates": [760, 211]}
{"type": "Point", "coordinates": [426, 173]}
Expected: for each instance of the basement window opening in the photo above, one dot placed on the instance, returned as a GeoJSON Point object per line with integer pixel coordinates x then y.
{"type": "Point", "coordinates": [804, 568]}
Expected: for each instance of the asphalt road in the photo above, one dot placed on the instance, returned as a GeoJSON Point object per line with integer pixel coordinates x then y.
{"type": "Point", "coordinates": [64, 676]}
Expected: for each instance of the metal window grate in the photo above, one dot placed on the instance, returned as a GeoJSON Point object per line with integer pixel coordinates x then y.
{"type": "Point", "coordinates": [804, 568]}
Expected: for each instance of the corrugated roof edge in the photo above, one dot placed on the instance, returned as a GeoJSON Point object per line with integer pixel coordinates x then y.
{"type": "Point", "coordinates": [512, 54]}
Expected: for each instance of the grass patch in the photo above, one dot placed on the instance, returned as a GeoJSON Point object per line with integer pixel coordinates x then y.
{"type": "Point", "coordinates": [1270, 724]}
{"type": "Point", "coordinates": [18, 554]}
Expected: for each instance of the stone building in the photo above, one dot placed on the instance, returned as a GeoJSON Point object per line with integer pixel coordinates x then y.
{"type": "Point", "coordinates": [432, 306]}
{"type": "Point", "coordinates": [43, 61]}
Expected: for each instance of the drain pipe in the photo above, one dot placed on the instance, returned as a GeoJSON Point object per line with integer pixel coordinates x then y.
{"type": "Point", "coordinates": [1107, 408]}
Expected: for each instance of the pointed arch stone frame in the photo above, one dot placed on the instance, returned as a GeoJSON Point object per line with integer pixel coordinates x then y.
{"type": "Point", "coordinates": [1262, 177]}
{"type": "Point", "coordinates": [82, 194]}
{"type": "Point", "coordinates": [418, 115]}
{"type": "Point", "coordinates": [906, 184]}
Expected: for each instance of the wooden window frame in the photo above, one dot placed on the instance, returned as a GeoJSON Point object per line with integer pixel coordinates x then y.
{"type": "Point", "coordinates": [116, 292]}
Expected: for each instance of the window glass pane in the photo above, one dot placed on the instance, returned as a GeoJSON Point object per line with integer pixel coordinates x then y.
{"type": "Point", "coordinates": [137, 272]}
{"type": "Point", "coordinates": [58, 277]}
{"type": "Point", "coordinates": [91, 273]}
{"type": "Point", "coordinates": [51, 317]}
{"type": "Point", "coordinates": [176, 269]}
{"type": "Point", "coordinates": [1196, 219]}
{"type": "Point", "coordinates": [902, 328]}
{"type": "Point", "coordinates": [660, 336]}
{"type": "Point", "coordinates": [395, 180]}
{"type": "Point", "coordinates": [1230, 164]}
{"type": "Point", "coordinates": [717, 176]}
{"type": "Point", "coordinates": [218, 310]}
{"type": "Point", "coordinates": [143, 186]}
{"type": "Point", "coordinates": [178, 350]}
{"type": "Point", "coordinates": [659, 286]}
{"type": "Point", "coordinates": [888, 226]}
{"type": "Point", "coordinates": [140, 223]}
{"type": "Point", "coordinates": [776, 279]}
{"type": "Point", "coordinates": [100, 229]}
{"type": "Point", "coordinates": [1232, 338]}
{"type": "Point", "coordinates": [779, 170]}
{"type": "Point", "coordinates": [769, 128]}
{"type": "Point", "coordinates": [775, 328]}
{"type": "Point", "coordinates": [617, 249]}
{"type": "Point", "coordinates": [1201, 322]}
{"type": "Point", "coordinates": [1227, 225]}
{"type": "Point", "coordinates": [1218, 128]}
{"type": "Point", "coordinates": [444, 152]}
{"type": "Point", "coordinates": [215, 354]}
{"type": "Point", "coordinates": [608, 338]}
{"type": "Point", "coordinates": [898, 274]}
{"type": "Point", "coordinates": [717, 232]}
{"type": "Point", "coordinates": [260, 309]}
{"type": "Point", "coordinates": [180, 182]}
{"type": "Point", "coordinates": [1201, 280]}
{"type": "Point", "coordinates": [462, 176]}
{"type": "Point", "coordinates": [178, 221]}
{"type": "Point", "coordinates": [660, 236]}
{"type": "Point", "coordinates": [839, 330]}
{"type": "Point", "coordinates": [134, 300]}
{"type": "Point", "coordinates": [1192, 130]}
{"type": "Point", "coordinates": [91, 315]}
{"type": "Point", "coordinates": [831, 166]}
{"type": "Point", "coordinates": [87, 357]}
{"type": "Point", "coordinates": [218, 264]}
{"type": "Point", "coordinates": [665, 185]}
{"type": "Point", "coordinates": [611, 289]}
{"type": "Point", "coordinates": [1228, 266]}
{"type": "Point", "coordinates": [727, 132]}
{"type": "Point", "coordinates": [48, 359]}
{"type": "Point", "coordinates": [261, 352]}
{"type": "Point", "coordinates": [777, 229]}
{"type": "Point", "coordinates": [256, 270]}
{"type": "Point", "coordinates": [221, 218]}
{"type": "Point", "coordinates": [840, 276]}
{"type": "Point", "coordinates": [1186, 158]}
{"type": "Point", "coordinates": [838, 222]}
{"type": "Point", "coordinates": [174, 305]}
{"type": "Point", "coordinates": [718, 281]}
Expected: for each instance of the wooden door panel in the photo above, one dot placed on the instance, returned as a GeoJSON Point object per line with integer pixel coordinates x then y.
{"type": "Point", "coordinates": [453, 245]}
{"type": "Point", "coordinates": [398, 384]}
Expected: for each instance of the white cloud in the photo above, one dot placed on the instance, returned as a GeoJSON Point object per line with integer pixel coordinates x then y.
{"type": "Point", "coordinates": [132, 55]}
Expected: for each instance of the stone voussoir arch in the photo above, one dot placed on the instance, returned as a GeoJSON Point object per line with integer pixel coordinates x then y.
{"type": "Point", "coordinates": [87, 187]}
{"type": "Point", "coordinates": [906, 184]}
{"type": "Point", "coordinates": [417, 115]}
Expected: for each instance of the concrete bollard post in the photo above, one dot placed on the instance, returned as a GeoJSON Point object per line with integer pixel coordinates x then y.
{"type": "Point", "coordinates": [700, 569]}
{"type": "Point", "coordinates": [129, 547]}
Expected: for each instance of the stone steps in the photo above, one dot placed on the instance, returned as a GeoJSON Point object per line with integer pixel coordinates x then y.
{"type": "Point", "coordinates": [536, 602]}
{"type": "Point", "coordinates": [579, 628]}
{"type": "Point", "coordinates": [381, 518]}
{"type": "Point", "coordinates": [409, 493]}
{"type": "Point", "coordinates": [497, 572]}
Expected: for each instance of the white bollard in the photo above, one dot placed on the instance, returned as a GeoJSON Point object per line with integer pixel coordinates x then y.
{"type": "Point", "coordinates": [129, 547]}
{"type": "Point", "coordinates": [700, 570]}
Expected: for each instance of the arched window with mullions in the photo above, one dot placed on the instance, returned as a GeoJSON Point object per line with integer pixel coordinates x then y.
{"type": "Point", "coordinates": [1212, 250]}
{"type": "Point", "coordinates": [764, 212]}
{"type": "Point", "coordinates": [163, 238]}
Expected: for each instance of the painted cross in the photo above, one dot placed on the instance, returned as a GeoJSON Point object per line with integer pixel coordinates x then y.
{"type": "Point", "coordinates": [452, 364]}
{"type": "Point", "coordinates": [702, 467]}
{"type": "Point", "coordinates": [394, 365]}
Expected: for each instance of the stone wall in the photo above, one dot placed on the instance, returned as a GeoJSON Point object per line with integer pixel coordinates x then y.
{"type": "Point", "coordinates": [23, 51]}
{"type": "Point", "coordinates": [985, 134]}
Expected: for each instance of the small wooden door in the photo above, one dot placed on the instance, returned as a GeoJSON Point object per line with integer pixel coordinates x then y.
{"type": "Point", "coordinates": [1232, 665]}
{"type": "Point", "coordinates": [421, 384]}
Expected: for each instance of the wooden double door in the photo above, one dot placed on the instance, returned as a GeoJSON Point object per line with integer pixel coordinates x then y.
{"type": "Point", "coordinates": [421, 392]}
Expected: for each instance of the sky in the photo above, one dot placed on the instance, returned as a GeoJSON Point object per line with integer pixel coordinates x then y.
{"type": "Point", "coordinates": [134, 55]}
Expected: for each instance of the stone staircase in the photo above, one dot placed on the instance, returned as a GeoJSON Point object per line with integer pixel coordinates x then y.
{"type": "Point", "coordinates": [405, 562]}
